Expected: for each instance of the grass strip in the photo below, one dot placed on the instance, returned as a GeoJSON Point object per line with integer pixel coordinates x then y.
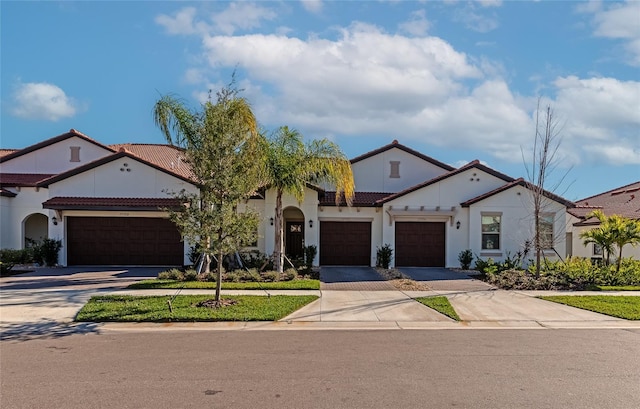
{"type": "Point", "coordinates": [305, 284]}
{"type": "Point", "coordinates": [440, 304]}
{"type": "Point", "coordinates": [627, 307]}
{"type": "Point", "coordinates": [618, 287]}
{"type": "Point", "coordinates": [124, 308]}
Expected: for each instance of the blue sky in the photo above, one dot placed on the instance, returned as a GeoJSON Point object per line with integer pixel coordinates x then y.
{"type": "Point", "coordinates": [455, 80]}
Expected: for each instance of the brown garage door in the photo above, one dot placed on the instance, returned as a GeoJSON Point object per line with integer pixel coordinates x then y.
{"type": "Point", "coordinates": [345, 243]}
{"type": "Point", "coordinates": [419, 244]}
{"type": "Point", "coordinates": [123, 241]}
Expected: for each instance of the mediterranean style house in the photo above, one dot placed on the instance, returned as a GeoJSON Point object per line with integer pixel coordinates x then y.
{"type": "Point", "coordinates": [623, 201]}
{"type": "Point", "coordinates": [105, 202]}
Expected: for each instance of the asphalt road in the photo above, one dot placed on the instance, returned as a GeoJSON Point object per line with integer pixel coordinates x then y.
{"type": "Point", "coordinates": [325, 369]}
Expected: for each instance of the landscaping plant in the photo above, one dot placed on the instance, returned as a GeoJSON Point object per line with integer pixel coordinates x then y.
{"type": "Point", "coordinates": [384, 255]}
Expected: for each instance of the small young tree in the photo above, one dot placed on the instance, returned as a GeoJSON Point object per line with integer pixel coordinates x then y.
{"type": "Point", "coordinates": [544, 162]}
{"type": "Point", "coordinates": [222, 147]}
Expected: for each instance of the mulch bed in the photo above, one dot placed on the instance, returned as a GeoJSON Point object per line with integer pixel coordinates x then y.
{"type": "Point", "coordinates": [224, 302]}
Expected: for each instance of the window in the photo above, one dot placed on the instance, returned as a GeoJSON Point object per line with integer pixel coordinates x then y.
{"type": "Point", "coordinates": [395, 169]}
{"type": "Point", "coordinates": [546, 231]}
{"type": "Point", "coordinates": [491, 232]}
{"type": "Point", "coordinates": [597, 250]}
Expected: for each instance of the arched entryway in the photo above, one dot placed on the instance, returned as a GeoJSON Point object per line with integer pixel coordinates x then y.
{"type": "Point", "coordinates": [36, 228]}
{"type": "Point", "coordinates": [293, 232]}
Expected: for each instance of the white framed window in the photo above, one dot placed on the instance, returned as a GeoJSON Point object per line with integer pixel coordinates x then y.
{"type": "Point", "coordinates": [597, 250]}
{"type": "Point", "coordinates": [491, 228]}
{"type": "Point", "coordinates": [546, 230]}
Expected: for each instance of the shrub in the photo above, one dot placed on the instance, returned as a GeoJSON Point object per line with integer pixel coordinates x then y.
{"type": "Point", "coordinates": [10, 257]}
{"type": "Point", "coordinates": [49, 249]}
{"type": "Point", "coordinates": [270, 276]}
{"type": "Point", "coordinates": [173, 274]}
{"type": "Point", "coordinates": [211, 277]}
{"type": "Point", "coordinates": [384, 255]}
{"type": "Point", "coordinates": [194, 254]}
{"type": "Point", "coordinates": [310, 253]}
{"type": "Point", "coordinates": [190, 275]}
{"type": "Point", "coordinates": [289, 274]}
{"type": "Point", "coordinates": [256, 260]}
{"type": "Point", "coordinates": [465, 258]}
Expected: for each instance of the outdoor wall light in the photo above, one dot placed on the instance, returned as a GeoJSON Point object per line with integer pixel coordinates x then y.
{"type": "Point", "coordinates": [458, 225]}
{"type": "Point", "coordinates": [55, 221]}
{"type": "Point", "coordinates": [271, 221]}
{"type": "Point", "coordinates": [311, 224]}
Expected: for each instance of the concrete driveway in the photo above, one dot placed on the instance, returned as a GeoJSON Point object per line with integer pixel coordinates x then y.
{"type": "Point", "coordinates": [444, 279]}
{"type": "Point", "coordinates": [352, 278]}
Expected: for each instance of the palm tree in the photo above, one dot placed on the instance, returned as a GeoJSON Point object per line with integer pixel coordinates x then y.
{"type": "Point", "coordinates": [600, 235]}
{"type": "Point", "coordinates": [291, 165]}
{"type": "Point", "coordinates": [614, 230]}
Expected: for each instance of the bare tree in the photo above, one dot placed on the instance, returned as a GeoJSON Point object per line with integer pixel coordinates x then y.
{"type": "Point", "coordinates": [544, 162]}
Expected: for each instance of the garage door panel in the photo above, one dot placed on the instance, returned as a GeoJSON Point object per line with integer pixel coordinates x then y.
{"type": "Point", "coordinates": [123, 241]}
{"type": "Point", "coordinates": [420, 244]}
{"type": "Point", "coordinates": [345, 243]}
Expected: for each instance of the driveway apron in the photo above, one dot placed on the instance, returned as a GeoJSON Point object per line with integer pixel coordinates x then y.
{"type": "Point", "coordinates": [350, 278]}
{"type": "Point", "coordinates": [444, 279]}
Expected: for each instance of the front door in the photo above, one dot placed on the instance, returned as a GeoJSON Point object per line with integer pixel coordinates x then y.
{"type": "Point", "coordinates": [294, 240]}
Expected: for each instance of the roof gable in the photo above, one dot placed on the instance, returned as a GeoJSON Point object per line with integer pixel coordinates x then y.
{"type": "Point", "coordinates": [517, 182]}
{"type": "Point", "coordinates": [395, 144]}
{"type": "Point", "coordinates": [72, 133]}
{"type": "Point", "coordinates": [107, 159]}
{"type": "Point", "coordinates": [471, 165]}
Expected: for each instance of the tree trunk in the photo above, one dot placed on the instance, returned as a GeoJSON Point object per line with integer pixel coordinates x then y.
{"type": "Point", "coordinates": [219, 277]}
{"type": "Point", "coordinates": [278, 251]}
{"type": "Point", "coordinates": [619, 261]}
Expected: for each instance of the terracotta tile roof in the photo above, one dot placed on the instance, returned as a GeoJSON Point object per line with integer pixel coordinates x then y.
{"type": "Point", "coordinates": [361, 199]}
{"type": "Point", "coordinates": [475, 164]}
{"type": "Point", "coordinates": [7, 193]}
{"type": "Point", "coordinates": [109, 203]}
{"type": "Point", "coordinates": [22, 179]}
{"type": "Point", "coordinates": [51, 141]}
{"type": "Point", "coordinates": [396, 144]}
{"type": "Point", "coordinates": [168, 157]}
{"type": "Point", "coordinates": [102, 161]}
{"type": "Point", "coordinates": [623, 201]}
{"type": "Point", "coordinates": [520, 182]}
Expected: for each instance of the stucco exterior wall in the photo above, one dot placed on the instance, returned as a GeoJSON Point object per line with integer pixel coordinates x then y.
{"type": "Point", "coordinates": [517, 224]}
{"type": "Point", "coordinates": [16, 209]}
{"type": "Point", "coordinates": [55, 158]}
{"type": "Point", "coordinates": [113, 179]}
{"type": "Point", "coordinates": [577, 248]}
{"type": "Point", "coordinates": [372, 174]}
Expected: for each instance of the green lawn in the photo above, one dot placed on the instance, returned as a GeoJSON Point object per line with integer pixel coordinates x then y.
{"type": "Point", "coordinates": [627, 307]}
{"type": "Point", "coordinates": [618, 287]}
{"type": "Point", "coordinates": [155, 309]}
{"type": "Point", "coordinates": [278, 285]}
{"type": "Point", "coordinates": [440, 304]}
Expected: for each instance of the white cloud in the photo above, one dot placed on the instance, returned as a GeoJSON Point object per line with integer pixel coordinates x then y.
{"type": "Point", "coordinates": [600, 112]}
{"type": "Point", "coordinates": [490, 3]}
{"type": "Point", "coordinates": [313, 6]}
{"type": "Point", "coordinates": [417, 25]}
{"type": "Point", "coordinates": [237, 16]}
{"type": "Point", "coordinates": [244, 16]}
{"type": "Point", "coordinates": [619, 21]}
{"type": "Point", "coordinates": [41, 100]}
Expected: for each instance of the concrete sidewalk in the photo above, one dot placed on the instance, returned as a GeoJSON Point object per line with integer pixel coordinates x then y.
{"type": "Point", "coordinates": [46, 311]}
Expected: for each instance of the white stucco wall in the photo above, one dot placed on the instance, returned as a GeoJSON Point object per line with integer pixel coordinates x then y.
{"type": "Point", "coordinates": [55, 158]}
{"type": "Point", "coordinates": [14, 212]}
{"type": "Point", "coordinates": [372, 174]}
{"type": "Point", "coordinates": [517, 224]}
{"type": "Point", "coordinates": [309, 208]}
{"type": "Point", "coordinates": [113, 180]}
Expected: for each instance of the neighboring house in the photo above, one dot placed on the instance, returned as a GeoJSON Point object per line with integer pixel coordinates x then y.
{"type": "Point", "coordinates": [108, 206]}
{"type": "Point", "coordinates": [623, 201]}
